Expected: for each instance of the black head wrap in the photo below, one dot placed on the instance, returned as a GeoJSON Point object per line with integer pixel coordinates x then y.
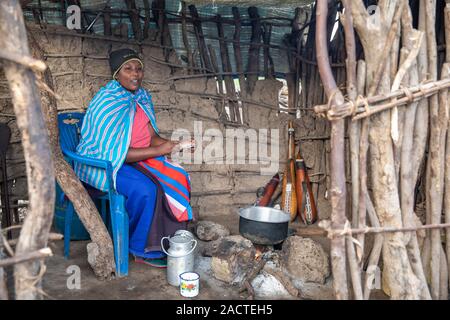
{"type": "Point", "coordinates": [119, 57]}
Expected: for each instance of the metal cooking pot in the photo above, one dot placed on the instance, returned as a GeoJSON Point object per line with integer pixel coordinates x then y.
{"type": "Point", "coordinates": [263, 225]}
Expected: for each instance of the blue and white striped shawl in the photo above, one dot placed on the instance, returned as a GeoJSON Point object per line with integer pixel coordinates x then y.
{"type": "Point", "coordinates": [106, 130]}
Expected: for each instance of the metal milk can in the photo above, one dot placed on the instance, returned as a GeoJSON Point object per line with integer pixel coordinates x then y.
{"type": "Point", "coordinates": [180, 255]}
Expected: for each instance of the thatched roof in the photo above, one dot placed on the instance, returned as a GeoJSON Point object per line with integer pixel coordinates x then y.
{"type": "Point", "coordinates": [284, 9]}
{"type": "Point", "coordinates": [283, 3]}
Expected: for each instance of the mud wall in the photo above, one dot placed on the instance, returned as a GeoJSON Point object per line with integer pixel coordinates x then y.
{"type": "Point", "coordinates": [79, 67]}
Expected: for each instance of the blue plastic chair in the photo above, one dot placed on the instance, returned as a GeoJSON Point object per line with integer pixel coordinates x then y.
{"type": "Point", "coordinates": [69, 134]}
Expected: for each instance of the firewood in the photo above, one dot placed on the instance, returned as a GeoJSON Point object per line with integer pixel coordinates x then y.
{"type": "Point", "coordinates": [252, 274]}
{"type": "Point", "coordinates": [284, 280]}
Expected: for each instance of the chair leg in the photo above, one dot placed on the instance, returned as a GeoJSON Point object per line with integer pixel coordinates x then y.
{"type": "Point", "coordinates": [119, 222]}
{"type": "Point", "coordinates": [103, 211]}
{"type": "Point", "coordinates": [67, 229]}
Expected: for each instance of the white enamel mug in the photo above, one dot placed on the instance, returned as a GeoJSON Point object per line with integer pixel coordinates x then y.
{"type": "Point", "coordinates": [189, 284]}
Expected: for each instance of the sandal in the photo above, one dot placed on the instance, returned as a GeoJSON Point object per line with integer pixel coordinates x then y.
{"type": "Point", "coordinates": [157, 263]}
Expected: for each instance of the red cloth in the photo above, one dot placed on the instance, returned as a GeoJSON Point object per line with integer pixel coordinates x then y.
{"type": "Point", "coordinates": [140, 134]}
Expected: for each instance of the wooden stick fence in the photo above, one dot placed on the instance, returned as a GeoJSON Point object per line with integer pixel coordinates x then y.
{"type": "Point", "coordinates": [333, 233]}
{"type": "Point", "coordinates": [362, 108]}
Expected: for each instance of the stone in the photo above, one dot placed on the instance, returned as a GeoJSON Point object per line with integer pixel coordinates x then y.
{"type": "Point", "coordinates": [92, 253]}
{"type": "Point", "coordinates": [305, 259]}
{"type": "Point", "coordinates": [208, 230]}
{"type": "Point", "coordinates": [267, 286]}
{"type": "Point", "coordinates": [232, 259]}
{"type": "Point", "coordinates": [208, 248]}
{"type": "Point", "coordinates": [315, 291]}
{"type": "Point", "coordinates": [202, 266]}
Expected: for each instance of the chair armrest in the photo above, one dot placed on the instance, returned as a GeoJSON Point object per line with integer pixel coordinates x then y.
{"type": "Point", "coordinates": [102, 164]}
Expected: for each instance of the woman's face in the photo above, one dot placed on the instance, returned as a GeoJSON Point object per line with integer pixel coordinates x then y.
{"type": "Point", "coordinates": [130, 75]}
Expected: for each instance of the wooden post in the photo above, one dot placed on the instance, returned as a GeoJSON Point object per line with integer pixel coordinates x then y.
{"type": "Point", "coordinates": [63, 12]}
{"type": "Point", "coordinates": [135, 20]}
{"type": "Point", "coordinates": [185, 36]}
{"type": "Point", "coordinates": [269, 72]}
{"type": "Point", "coordinates": [226, 67]}
{"type": "Point", "coordinates": [354, 149]}
{"type": "Point", "coordinates": [253, 51]}
{"type": "Point", "coordinates": [354, 126]}
{"type": "Point", "coordinates": [411, 41]}
{"type": "Point", "coordinates": [102, 264]}
{"type": "Point", "coordinates": [36, 16]}
{"type": "Point", "coordinates": [147, 19]}
{"type": "Point", "coordinates": [107, 22]}
{"type": "Point", "coordinates": [220, 105]}
{"type": "Point", "coordinates": [206, 62]}
{"type": "Point", "coordinates": [3, 288]}
{"type": "Point", "coordinates": [39, 164]}
{"type": "Point", "coordinates": [447, 149]}
{"type": "Point", "coordinates": [435, 174]}
{"type": "Point", "coordinates": [238, 60]}
{"type": "Point", "coordinates": [159, 12]}
{"type": "Point", "coordinates": [297, 42]}
{"type": "Point", "coordinates": [338, 188]}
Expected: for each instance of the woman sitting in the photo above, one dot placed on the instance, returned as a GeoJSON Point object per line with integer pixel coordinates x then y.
{"type": "Point", "coordinates": [120, 126]}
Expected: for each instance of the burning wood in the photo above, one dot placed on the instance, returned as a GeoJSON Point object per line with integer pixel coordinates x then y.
{"type": "Point", "coordinates": [260, 249]}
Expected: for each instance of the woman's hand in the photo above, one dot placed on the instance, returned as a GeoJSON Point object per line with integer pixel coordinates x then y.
{"type": "Point", "coordinates": [188, 145]}
{"type": "Point", "coordinates": [168, 147]}
{"type": "Point", "coordinates": [139, 154]}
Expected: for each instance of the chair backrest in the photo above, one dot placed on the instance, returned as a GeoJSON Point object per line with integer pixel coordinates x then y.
{"type": "Point", "coordinates": [69, 125]}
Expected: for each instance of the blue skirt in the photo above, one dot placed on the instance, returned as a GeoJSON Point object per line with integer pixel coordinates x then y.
{"type": "Point", "coordinates": [140, 192]}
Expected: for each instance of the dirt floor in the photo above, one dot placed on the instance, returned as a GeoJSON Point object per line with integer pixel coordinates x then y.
{"type": "Point", "coordinates": [143, 283]}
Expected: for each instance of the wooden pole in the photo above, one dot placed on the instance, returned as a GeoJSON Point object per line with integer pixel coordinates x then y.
{"type": "Point", "coordinates": [411, 39]}
{"type": "Point", "coordinates": [253, 51]}
{"type": "Point", "coordinates": [29, 256]}
{"type": "Point", "coordinates": [103, 264]}
{"type": "Point", "coordinates": [107, 30]}
{"type": "Point", "coordinates": [147, 8]}
{"type": "Point", "coordinates": [134, 18]}
{"type": "Point", "coordinates": [220, 105]}
{"type": "Point", "coordinates": [266, 33]}
{"type": "Point", "coordinates": [291, 76]}
{"type": "Point", "coordinates": [297, 34]}
{"type": "Point", "coordinates": [164, 37]}
{"type": "Point", "coordinates": [374, 257]}
{"type": "Point", "coordinates": [396, 98]}
{"type": "Point", "coordinates": [206, 62]}
{"type": "Point", "coordinates": [338, 188]}
{"type": "Point", "coordinates": [447, 149]}
{"type": "Point", "coordinates": [354, 150]}
{"type": "Point", "coordinates": [226, 67]}
{"type": "Point", "coordinates": [63, 11]}
{"type": "Point", "coordinates": [3, 287]}
{"type": "Point", "coordinates": [435, 174]}
{"type": "Point", "coordinates": [185, 37]}
{"type": "Point", "coordinates": [39, 164]}
{"type": "Point", "coordinates": [238, 61]}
